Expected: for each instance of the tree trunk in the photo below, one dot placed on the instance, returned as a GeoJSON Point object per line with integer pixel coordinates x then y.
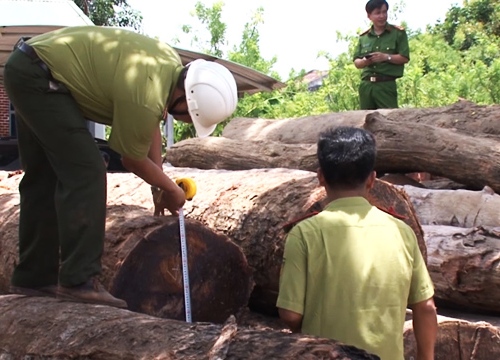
{"type": "Point", "coordinates": [228, 154]}
{"type": "Point", "coordinates": [462, 208]}
{"type": "Point", "coordinates": [412, 147]}
{"type": "Point", "coordinates": [142, 264]}
{"type": "Point", "coordinates": [401, 148]}
{"type": "Point", "coordinates": [464, 116]}
{"type": "Point", "coordinates": [458, 339]}
{"type": "Point", "coordinates": [463, 264]}
{"type": "Point", "coordinates": [250, 207]}
{"type": "Point", "coordinates": [42, 328]}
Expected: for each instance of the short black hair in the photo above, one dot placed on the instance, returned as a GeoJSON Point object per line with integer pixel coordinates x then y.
{"type": "Point", "coordinates": [375, 4]}
{"type": "Point", "coordinates": [346, 156]}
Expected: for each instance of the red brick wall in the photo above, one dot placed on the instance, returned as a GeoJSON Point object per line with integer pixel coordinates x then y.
{"type": "Point", "coordinates": [4, 113]}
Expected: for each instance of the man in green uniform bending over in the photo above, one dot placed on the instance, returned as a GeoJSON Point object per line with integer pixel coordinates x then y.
{"type": "Point", "coordinates": [350, 271]}
{"type": "Point", "coordinates": [111, 76]}
{"type": "Point", "coordinates": [382, 52]}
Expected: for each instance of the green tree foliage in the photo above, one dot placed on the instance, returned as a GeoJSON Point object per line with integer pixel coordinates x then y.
{"type": "Point", "coordinates": [111, 13]}
{"type": "Point", "coordinates": [465, 26]}
{"type": "Point", "coordinates": [458, 58]}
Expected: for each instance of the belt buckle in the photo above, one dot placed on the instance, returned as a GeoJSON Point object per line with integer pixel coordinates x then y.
{"type": "Point", "coordinates": [373, 79]}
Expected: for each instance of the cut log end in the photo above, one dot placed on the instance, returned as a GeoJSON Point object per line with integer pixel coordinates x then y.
{"type": "Point", "coordinates": [151, 276]}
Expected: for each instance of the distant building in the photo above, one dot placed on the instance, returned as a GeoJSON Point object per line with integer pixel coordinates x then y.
{"type": "Point", "coordinates": [29, 18]}
{"type": "Point", "coordinates": [314, 79]}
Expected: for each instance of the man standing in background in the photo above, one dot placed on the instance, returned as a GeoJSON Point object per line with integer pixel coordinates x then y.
{"type": "Point", "coordinates": [381, 53]}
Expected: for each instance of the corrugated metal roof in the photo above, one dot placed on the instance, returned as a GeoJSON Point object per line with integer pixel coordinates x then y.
{"type": "Point", "coordinates": [41, 13]}
{"type": "Point", "coordinates": [248, 80]}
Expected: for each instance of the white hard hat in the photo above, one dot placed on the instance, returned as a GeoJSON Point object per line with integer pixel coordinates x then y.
{"type": "Point", "coordinates": [211, 95]}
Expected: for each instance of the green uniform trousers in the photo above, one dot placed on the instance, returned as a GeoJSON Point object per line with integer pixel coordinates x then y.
{"type": "Point", "coordinates": [378, 95]}
{"type": "Point", "coordinates": [63, 190]}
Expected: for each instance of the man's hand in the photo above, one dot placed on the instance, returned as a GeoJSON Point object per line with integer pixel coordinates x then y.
{"type": "Point", "coordinates": [172, 200]}
{"type": "Point", "coordinates": [378, 57]}
{"type": "Point", "coordinates": [292, 319]}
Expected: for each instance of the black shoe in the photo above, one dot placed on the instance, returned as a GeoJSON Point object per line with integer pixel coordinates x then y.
{"type": "Point", "coordinates": [45, 291]}
{"type": "Point", "coordinates": [91, 292]}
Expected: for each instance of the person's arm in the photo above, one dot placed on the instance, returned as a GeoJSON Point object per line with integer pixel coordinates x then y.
{"type": "Point", "coordinates": [396, 59]}
{"type": "Point", "coordinates": [292, 319]}
{"type": "Point", "coordinates": [150, 170]}
{"type": "Point", "coordinates": [155, 148]}
{"type": "Point", "coordinates": [147, 170]}
{"type": "Point", "coordinates": [361, 63]}
{"type": "Point", "coordinates": [425, 328]}
{"type": "Point", "coordinates": [292, 287]}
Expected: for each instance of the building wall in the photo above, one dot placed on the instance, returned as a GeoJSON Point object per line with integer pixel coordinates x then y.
{"type": "Point", "coordinates": [4, 113]}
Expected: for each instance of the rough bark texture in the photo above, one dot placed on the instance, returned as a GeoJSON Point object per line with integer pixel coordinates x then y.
{"type": "Point", "coordinates": [458, 339]}
{"type": "Point", "coordinates": [250, 207]}
{"type": "Point", "coordinates": [229, 154]}
{"type": "Point", "coordinates": [443, 152]}
{"type": "Point", "coordinates": [463, 264]}
{"type": "Point", "coordinates": [43, 328]}
{"type": "Point", "coordinates": [401, 148]}
{"type": "Point", "coordinates": [462, 208]}
{"type": "Point", "coordinates": [464, 116]}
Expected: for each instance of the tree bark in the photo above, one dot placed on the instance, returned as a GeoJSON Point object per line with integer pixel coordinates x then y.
{"type": "Point", "coordinates": [463, 264]}
{"type": "Point", "coordinates": [463, 116]}
{"type": "Point", "coordinates": [250, 207]}
{"type": "Point", "coordinates": [413, 147]}
{"type": "Point", "coordinates": [401, 148]}
{"type": "Point", "coordinates": [142, 264]}
{"type": "Point", "coordinates": [462, 208]}
{"type": "Point", "coordinates": [458, 339]}
{"type": "Point", "coordinates": [229, 154]}
{"type": "Point", "coordinates": [42, 328]}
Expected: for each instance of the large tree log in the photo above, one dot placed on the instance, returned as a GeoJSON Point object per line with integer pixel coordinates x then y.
{"type": "Point", "coordinates": [141, 263]}
{"type": "Point", "coordinates": [228, 154]}
{"type": "Point", "coordinates": [250, 207]}
{"type": "Point", "coordinates": [458, 339]}
{"type": "Point", "coordinates": [464, 116]}
{"type": "Point", "coordinates": [43, 328]}
{"type": "Point", "coordinates": [462, 208]}
{"type": "Point", "coordinates": [401, 148]}
{"type": "Point", "coordinates": [463, 264]}
{"type": "Point", "coordinates": [417, 147]}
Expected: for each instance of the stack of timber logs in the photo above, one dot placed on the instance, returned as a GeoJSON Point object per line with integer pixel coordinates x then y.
{"type": "Point", "coordinates": [243, 210]}
{"type": "Point", "coordinates": [457, 144]}
{"type": "Point", "coordinates": [259, 176]}
{"type": "Point", "coordinates": [441, 141]}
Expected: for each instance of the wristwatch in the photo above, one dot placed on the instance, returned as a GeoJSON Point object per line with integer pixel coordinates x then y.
{"type": "Point", "coordinates": [389, 58]}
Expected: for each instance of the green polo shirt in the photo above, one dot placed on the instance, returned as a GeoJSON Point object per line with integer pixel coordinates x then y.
{"type": "Point", "coordinates": [392, 41]}
{"type": "Point", "coordinates": [117, 77]}
{"type": "Point", "coordinates": [350, 271]}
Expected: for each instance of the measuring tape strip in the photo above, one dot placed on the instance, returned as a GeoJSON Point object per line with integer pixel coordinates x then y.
{"type": "Point", "coordinates": [185, 266]}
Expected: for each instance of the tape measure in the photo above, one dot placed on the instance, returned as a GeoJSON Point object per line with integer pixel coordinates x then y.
{"type": "Point", "coordinates": [185, 267]}
{"type": "Point", "coordinates": [189, 187]}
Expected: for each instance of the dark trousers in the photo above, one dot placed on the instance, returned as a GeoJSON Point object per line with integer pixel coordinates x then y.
{"type": "Point", "coordinates": [63, 190]}
{"type": "Point", "coordinates": [378, 95]}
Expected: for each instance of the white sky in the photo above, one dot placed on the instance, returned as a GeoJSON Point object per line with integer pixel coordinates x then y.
{"type": "Point", "coordinates": [293, 30]}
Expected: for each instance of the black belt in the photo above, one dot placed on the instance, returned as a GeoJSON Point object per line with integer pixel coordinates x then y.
{"type": "Point", "coordinates": [379, 78]}
{"type": "Point", "coordinates": [28, 50]}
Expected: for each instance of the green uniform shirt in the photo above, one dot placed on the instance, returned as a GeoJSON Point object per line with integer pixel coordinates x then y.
{"type": "Point", "coordinates": [392, 41]}
{"type": "Point", "coordinates": [116, 76]}
{"type": "Point", "coordinates": [350, 271]}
